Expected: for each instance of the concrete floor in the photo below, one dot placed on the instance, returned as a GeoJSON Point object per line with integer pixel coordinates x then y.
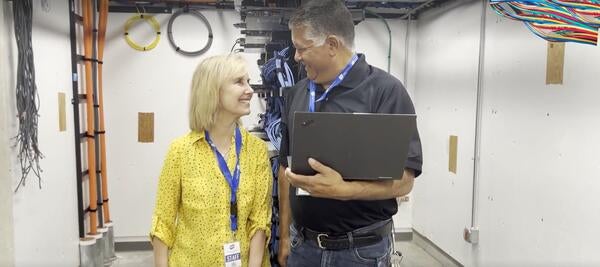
{"type": "Point", "coordinates": [414, 256]}
{"type": "Point", "coordinates": [134, 259]}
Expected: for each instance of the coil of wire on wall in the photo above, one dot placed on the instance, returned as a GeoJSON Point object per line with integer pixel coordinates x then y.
{"type": "Point", "coordinates": [150, 20]}
{"type": "Point", "coordinates": [555, 20]}
{"type": "Point", "coordinates": [199, 15]}
{"type": "Point", "coordinates": [27, 98]}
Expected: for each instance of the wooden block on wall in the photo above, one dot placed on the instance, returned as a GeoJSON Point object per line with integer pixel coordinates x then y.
{"type": "Point", "coordinates": [555, 63]}
{"type": "Point", "coordinates": [145, 127]}
{"type": "Point", "coordinates": [62, 116]}
{"type": "Point", "coordinates": [453, 154]}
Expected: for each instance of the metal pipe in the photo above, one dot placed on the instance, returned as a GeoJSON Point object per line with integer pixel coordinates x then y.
{"type": "Point", "coordinates": [419, 7]}
{"type": "Point", "coordinates": [478, 119]}
{"type": "Point", "coordinates": [406, 50]}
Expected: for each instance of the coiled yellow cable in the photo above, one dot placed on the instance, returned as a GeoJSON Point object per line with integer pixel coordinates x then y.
{"type": "Point", "coordinates": [150, 20]}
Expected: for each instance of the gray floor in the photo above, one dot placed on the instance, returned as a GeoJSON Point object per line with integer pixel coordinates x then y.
{"type": "Point", "coordinates": [134, 259]}
{"type": "Point", "coordinates": [414, 256]}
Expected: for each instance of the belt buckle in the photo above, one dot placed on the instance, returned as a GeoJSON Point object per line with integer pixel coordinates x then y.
{"type": "Point", "coordinates": [319, 240]}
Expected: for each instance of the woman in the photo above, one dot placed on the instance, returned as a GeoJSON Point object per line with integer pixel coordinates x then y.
{"type": "Point", "coordinates": [213, 203]}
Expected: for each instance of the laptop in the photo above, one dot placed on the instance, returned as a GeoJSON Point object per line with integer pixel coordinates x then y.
{"type": "Point", "coordinates": [360, 146]}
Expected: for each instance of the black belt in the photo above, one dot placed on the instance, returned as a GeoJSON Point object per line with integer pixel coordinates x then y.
{"type": "Point", "coordinates": [338, 241]}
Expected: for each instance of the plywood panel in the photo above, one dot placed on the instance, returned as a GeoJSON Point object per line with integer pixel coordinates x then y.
{"type": "Point", "coordinates": [555, 63]}
{"type": "Point", "coordinates": [453, 154]}
{"type": "Point", "coordinates": [62, 117]}
{"type": "Point", "coordinates": [145, 127]}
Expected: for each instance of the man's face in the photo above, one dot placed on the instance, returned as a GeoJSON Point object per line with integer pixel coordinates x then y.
{"type": "Point", "coordinates": [315, 57]}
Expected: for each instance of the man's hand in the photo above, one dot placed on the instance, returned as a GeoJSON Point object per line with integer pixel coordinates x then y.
{"type": "Point", "coordinates": [285, 219]}
{"type": "Point", "coordinates": [284, 250]}
{"type": "Point", "coordinates": [327, 183]}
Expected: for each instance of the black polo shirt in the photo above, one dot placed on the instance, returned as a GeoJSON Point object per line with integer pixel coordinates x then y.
{"type": "Point", "coordinates": [366, 89]}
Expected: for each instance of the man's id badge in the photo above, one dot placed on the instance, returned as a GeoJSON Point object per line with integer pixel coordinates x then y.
{"type": "Point", "coordinates": [233, 256]}
{"type": "Point", "coordinates": [299, 191]}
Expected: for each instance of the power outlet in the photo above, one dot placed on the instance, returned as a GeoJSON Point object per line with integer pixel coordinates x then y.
{"type": "Point", "coordinates": [471, 235]}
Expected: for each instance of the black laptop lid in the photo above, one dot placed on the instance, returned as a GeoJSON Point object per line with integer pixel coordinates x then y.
{"type": "Point", "coordinates": [357, 145]}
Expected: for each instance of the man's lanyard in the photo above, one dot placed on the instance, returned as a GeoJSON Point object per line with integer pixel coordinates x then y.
{"type": "Point", "coordinates": [312, 87]}
{"type": "Point", "coordinates": [232, 180]}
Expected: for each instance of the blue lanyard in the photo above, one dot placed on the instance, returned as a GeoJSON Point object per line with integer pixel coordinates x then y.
{"type": "Point", "coordinates": [232, 180]}
{"type": "Point", "coordinates": [312, 87]}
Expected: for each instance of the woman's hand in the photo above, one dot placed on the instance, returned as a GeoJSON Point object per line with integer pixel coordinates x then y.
{"type": "Point", "coordinates": [161, 253]}
{"type": "Point", "coordinates": [257, 249]}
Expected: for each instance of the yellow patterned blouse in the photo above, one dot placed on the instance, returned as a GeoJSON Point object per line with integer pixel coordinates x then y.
{"type": "Point", "coordinates": [191, 215]}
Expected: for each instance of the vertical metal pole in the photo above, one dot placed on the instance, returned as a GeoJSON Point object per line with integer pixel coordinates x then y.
{"type": "Point", "coordinates": [406, 50]}
{"type": "Point", "coordinates": [76, 127]}
{"type": "Point", "coordinates": [474, 231]}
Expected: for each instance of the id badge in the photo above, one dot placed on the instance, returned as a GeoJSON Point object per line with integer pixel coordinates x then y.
{"type": "Point", "coordinates": [233, 256]}
{"type": "Point", "coordinates": [299, 191]}
{"type": "Point", "coordinates": [302, 192]}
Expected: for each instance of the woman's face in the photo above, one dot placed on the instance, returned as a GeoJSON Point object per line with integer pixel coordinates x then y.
{"type": "Point", "coordinates": [235, 95]}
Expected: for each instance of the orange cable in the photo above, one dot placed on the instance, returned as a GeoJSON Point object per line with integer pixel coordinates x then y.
{"type": "Point", "coordinates": [101, 42]}
{"type": "Point", "coordinates": [87, 44]}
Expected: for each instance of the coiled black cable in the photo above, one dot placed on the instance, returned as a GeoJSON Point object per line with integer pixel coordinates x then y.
{"type": "Point", "coordinates": [27, 97]}
{"type": "Point", "coordinates": [201, 17]}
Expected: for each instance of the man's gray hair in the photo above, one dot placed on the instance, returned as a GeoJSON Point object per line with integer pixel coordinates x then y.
{"type": "Point", "coordinates": [325, 17]}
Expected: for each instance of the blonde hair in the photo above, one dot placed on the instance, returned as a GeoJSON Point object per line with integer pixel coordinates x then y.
{"type": "Point", "coordinates": [210, 76]}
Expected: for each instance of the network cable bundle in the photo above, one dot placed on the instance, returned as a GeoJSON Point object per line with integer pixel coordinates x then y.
{"type": "Point", "coordinates": [277, 76]}
{"type": "Point", "coordinates": [555, 20]}
{"type": "Point", "coordinates": [27, 98]}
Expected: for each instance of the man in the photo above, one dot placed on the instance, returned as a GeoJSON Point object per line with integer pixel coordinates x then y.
{"type": "Point", "coordinates": [341, 223]}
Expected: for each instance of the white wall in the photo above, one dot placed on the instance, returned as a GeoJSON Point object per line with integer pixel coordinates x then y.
{"type": "Point", "coordinates": [372, 40]}
{"type": "Point", "coordinates": [158, 81]}
{"type": "Point", "coordinates": [539, 159]}
{"type": "Point", "coordinates": [545, 138]}
{"type": "Point", "coordinates": [6, 211]}
{"type": "Point", "coordinates": [448, 41]}
{"type": "Point", "coordinates": [45, 220]}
